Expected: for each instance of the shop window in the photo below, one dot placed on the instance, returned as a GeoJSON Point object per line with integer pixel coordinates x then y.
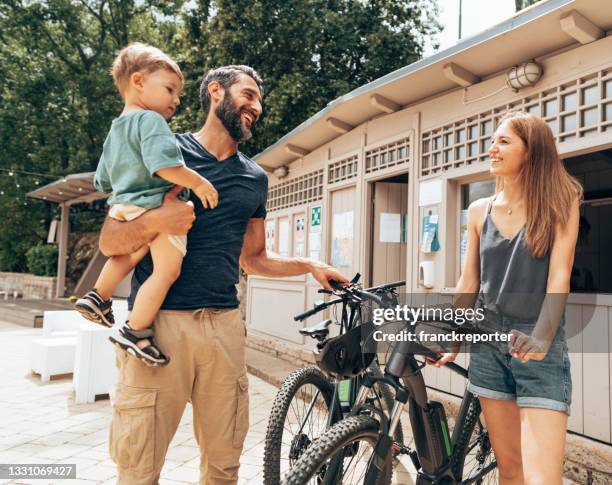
{"type": "Point", "coordinates": [392, 154]}
{"type": "Point", "coordinates": [344, 169]}
{"type": "Point", "coordinates": [300, 190]}
{"type": "Point", "coordinates": [470, 193]}
{"type": "Point", "coordinates": [592, 271]}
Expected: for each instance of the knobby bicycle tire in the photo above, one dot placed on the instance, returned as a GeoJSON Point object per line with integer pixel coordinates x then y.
{"type": "Point", "coordinates": [342, 434]}
{"type": "Point", "coordinates": [472, 438]}
{"type": "Point", "coordinates": [276, 423]}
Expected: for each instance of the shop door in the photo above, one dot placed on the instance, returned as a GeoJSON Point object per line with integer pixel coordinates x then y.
{"type": "Point", "coordinates": [389, 226]}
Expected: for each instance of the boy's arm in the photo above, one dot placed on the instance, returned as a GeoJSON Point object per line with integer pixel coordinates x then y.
{"type": "Point", "coordinates": [181, 176]}
{"type": "Point", "coordinates": [172, 217]}
{"type": "Point", "coordinates": [186, 177]}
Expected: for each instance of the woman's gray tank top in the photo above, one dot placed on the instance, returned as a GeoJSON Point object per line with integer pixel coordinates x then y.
{"type": "Point", "coordinates": [512, 280]}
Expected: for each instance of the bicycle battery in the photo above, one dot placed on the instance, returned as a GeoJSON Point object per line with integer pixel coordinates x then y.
{"type": "Point", "coordinates": [347, 392]}
{"type": "Point", "coordinates": [431, 436]}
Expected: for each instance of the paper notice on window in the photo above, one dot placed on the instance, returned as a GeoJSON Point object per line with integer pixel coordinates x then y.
{"type": "Point", "coordinates": [270, 236]}
{"type": "Point", "coordinates": [430, 192]}
{"type": "Point", "coordinates": [390, 227]}
{"type": "Point", "coordinates": [342, 239]}
{"type": "Point", "coordinates": [283, 237]}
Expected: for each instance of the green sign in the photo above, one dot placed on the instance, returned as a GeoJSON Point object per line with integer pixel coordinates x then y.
{"type": "Point", "coordinates": [315, 216]}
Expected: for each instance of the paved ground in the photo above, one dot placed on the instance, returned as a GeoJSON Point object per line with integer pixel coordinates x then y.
{"type": "Point", "coordinates": [39, 423]}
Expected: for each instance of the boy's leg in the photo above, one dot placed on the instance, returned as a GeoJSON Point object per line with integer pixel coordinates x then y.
{"type": "Point", "coordinates": [220, 397]}
{"type": "Point", "coordinates": [167, 261]}
{"type": "Point", "coordinates": [115, 270]}
{"type": "Point", "coordinates": [96, 305]}
{"type": "Point", "coordinates": [148, 403]}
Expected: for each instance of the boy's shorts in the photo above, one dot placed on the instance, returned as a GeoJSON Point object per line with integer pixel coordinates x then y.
{"type": "Point", "coordinates": [128, 212]}
{"type": "Point", "coordinates": [543, 384]}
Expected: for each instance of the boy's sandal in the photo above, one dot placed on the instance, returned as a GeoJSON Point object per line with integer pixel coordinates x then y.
{"type": "Point", "coordinates": [128, 339]}
{"type": "Point", "coordinates": [95, 309]}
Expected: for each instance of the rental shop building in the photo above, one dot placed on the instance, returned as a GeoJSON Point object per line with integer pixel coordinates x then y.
{"type": "Point", "coordinates": [379, 181]}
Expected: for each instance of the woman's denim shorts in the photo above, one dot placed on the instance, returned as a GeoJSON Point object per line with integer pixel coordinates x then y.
{"type": "Point", "coordinates": [534, 384]}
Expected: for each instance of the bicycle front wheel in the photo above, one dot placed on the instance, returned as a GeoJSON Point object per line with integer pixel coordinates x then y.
{"type": "Point", "coordinates": [344, 451]}
{"type": "Point", "coordinates": [299, 415]}
{"type": "Point", "coordinates": [473, 460]}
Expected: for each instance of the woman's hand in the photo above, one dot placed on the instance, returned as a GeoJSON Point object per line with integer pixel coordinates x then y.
{"type": "Point", "coordinates": [525, 347]}
{"type": "Point", "coordinates": [444, 359]}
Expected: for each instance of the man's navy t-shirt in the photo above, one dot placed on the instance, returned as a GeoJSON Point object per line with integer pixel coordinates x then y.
{"type": "Point", "coordinates": [210, 268]}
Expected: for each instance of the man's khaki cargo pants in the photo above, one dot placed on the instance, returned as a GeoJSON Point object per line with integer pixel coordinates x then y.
{"type": "Point", "coordinates": [207, 366]}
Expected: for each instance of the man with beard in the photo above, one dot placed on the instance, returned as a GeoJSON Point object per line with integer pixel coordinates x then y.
{"type": "Point", "coordinates": [199, 324]}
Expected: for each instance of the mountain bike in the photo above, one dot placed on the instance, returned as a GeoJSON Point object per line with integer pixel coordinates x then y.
{"type": "Point", "coordinates": [359, 449]}
{"type": "Point", "coordinates": [310, 400]}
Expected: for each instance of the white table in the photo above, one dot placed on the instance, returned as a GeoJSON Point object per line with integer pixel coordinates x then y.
{"type": "Point", "coordinates": [94, 365]}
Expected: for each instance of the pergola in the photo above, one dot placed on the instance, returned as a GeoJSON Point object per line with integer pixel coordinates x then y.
{"type": "Point", "coordinates": [73, 189]}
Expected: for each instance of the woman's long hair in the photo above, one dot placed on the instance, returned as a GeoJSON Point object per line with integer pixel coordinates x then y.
{"type": "Point", "coordinates": [549, 190]}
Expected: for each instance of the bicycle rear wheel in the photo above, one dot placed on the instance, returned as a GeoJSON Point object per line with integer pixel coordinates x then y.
{"type": "Point", "coordinates": [299, 415]}
{"type": "Point", "coordinates": [473, 459]}
{"type": "Point", "coordinates": [352, 442]}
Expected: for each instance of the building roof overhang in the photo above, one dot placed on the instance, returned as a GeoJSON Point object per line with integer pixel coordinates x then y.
{"type": "Point", "coordinates": [73, 189]}
{"type": "Point", "coordinates": [531, 33]}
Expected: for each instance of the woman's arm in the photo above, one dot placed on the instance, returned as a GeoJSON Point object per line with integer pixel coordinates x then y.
{"type": "Point", "coordinates": [536, 346]}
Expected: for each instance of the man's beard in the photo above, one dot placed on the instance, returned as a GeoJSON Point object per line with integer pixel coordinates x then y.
{"type": "Point", "coordinates": [230, 117]}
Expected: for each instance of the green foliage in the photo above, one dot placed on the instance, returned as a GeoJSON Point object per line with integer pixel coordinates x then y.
{"type": "Point", "coordinates": [308, 52]}
{"type": "Point", "coordinates": [42, 259]}
{"type": "Point", "coordinates": [59, 99]}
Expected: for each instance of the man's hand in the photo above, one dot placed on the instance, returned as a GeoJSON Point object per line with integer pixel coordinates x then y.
{"type": "Point", "coordinates": [525, 348]}
{"type": "Point", "coordinates": [174, 216]}
{"type": "Point", "coordinates": [323, 273]}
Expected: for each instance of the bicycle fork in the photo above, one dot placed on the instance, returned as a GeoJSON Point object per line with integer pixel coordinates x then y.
{"type": "Point", "coordinates": [384, 446]}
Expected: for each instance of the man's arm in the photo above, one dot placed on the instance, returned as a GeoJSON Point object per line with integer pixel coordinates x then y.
{"type": "Point", "coordinates": [173, 217]}
{"type": "Point", "coordinates": [256, 260]}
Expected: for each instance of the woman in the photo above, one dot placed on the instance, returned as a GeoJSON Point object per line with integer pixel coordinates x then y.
{"type": "Point", "coordinates": [519, 260]}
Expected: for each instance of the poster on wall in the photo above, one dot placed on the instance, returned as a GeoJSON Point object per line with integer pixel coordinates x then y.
{"type": "Point", "coordinates": [314, 234]}
{"type": "Point", "coordinates": [300, 229]}
{"type": "Point", "coordinates": [390, 227]}
{"type": "Point", "coordinates": [283, 237]}
{"type": "Point", "coordinates": [270, 235]}
{"type": "Point", "coordinates": [342, 242]}
{"type": "Point", "coordinates": [463, 237]}
{"type": "Point", "coordinates": [429, 240]}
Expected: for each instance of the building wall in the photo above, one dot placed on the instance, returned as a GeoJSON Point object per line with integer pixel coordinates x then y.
{"type": "Point", "coordinates": [436, 137]}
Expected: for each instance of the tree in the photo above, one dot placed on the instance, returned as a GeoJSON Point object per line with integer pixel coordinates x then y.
{"type": "Point", "coordinates": [522, 4]}
{"type": "Point", "coordinates": [309, 52]}
{"type": "Point", "coordinates": [59, 99]}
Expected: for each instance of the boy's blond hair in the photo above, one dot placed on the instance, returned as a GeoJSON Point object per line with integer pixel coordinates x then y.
{"type": "Point", "coordinates": [143, 58]}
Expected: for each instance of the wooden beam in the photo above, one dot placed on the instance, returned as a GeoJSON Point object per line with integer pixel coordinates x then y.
{"type": "Point", "coordinates": [296, 150]}
{"type": "Point", "coordinates": [580, 28]}
{"type": "Point", "coordinates": [384, 104]}
{"type": "Point", "coordinates": [460, 75]}
{"type": "Point", "coordinates": [339, 125]}
{"type": "Point", "coordinates": [63, 250]}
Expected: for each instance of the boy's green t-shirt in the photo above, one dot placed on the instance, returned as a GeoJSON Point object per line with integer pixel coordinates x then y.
{"type": "Point", "coordinates": [139, 144]}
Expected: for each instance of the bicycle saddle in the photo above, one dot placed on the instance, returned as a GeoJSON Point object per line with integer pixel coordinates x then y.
{"type": "Point", "coordinates": [318, 330]}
